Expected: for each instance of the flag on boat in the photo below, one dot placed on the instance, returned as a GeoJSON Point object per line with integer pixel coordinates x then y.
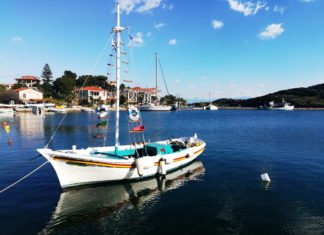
{"type": "Point", "coordinates": [98, 136]}
{"type": "Point", "coordinates": [139, 128]}
{"type": "Point", "coordinates": [101, 124]}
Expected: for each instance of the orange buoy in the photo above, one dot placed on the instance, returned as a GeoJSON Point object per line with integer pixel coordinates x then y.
{"type": "Point", "coordinates": [9, 141]}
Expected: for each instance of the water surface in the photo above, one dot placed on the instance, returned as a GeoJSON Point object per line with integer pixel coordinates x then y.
{"type": "Point", "coordinates": [222, 194]}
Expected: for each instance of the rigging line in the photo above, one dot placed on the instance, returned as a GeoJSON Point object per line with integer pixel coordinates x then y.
{"type": "Point", "coordinates": [97, 60]}
{"type": "Point", "coordinates": [21, 164]}
{"type": "Point", "coordinates": [163, 77]}
{"type": "Point", "coordinates": [21, 179]}
{"type": "Point", "coordinates": [93, 66]}
{"type": "Point", "coordinates": [57, 128]}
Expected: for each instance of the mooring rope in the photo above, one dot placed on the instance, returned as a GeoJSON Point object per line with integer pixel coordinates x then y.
{"type": "Point", "coordinates": [21, 179]}
{"type": "Point", "coordinates": [20, 164]}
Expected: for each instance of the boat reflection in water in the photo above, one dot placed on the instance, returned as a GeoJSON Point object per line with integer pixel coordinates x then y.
{"type": "Point", "coordinates": [101, 207]}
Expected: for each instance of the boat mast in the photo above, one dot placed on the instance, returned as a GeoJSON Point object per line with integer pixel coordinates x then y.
{"type": "Point", "coordinates": [117, 29]}
{"type": "Point", "coordinates": [156, 75]}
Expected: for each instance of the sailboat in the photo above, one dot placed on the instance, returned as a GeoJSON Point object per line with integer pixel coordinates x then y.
{"type": "Point", "coordinates": [122, 162]}
{"type": "Point", "coordinates": [156, 106]}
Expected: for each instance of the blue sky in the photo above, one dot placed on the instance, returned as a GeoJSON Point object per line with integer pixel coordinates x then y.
{"type": "Point", "coordinates": [225, 48]}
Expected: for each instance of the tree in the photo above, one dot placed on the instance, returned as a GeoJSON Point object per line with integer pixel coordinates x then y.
{"type": "Point", "coordinates": [89, 80]}
{"type": "Point", "coordinates": [17, 86]}
{"type": "Point", "coordinates": [47, 89]}
{"type": "Point", "coordinates": [64, 86]}
{"type": "Point", "coordinates": [2, 88]}
{"type": "Point", "coordinates": [47, 74]}
{"type": "Point", "coordinates": [122, 99]}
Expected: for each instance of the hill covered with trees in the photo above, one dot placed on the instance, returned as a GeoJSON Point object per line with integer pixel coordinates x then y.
{"type": "Point", "coordinates": [310, 97]}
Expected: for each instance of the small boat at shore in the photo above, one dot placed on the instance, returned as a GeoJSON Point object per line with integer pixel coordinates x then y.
{"type": "Point", "coordinates": [211, 107]}
{"type": "Point", "coordinates": [284, 106]}
{"type": "Point", "coordinates": [7, 110]}
{"type": "Point", "coordinates": [137, 160]}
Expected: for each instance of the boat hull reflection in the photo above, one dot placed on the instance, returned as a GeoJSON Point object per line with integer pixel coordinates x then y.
{"type": "Point", "coordinates": [85, 204]}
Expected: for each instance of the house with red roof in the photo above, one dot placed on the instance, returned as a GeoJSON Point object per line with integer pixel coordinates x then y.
{"type": "Point", "coordinates": [139, 95]}
{"type": "Point", "coordinates": [27, 94]}
{"type": "Point", "coordinates": [92, 93]}
{"type": "Point", "coordinates": [28, 81]}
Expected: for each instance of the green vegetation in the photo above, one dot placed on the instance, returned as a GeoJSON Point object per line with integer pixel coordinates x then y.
{"type": "Point", "coordinates": [310, 97]}
{"type": "Point", "coordinates": [171, 99]}
{"type": "Point", "coordinates": [47, 74]}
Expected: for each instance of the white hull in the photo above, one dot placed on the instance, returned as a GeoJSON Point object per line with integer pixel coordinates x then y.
{"type": "Point", "coordinates": [6, 110]}
{"type": "Point", "coordinates": [55, 110]}
{"type": "Point", "coordinates": [156, 108]}
{"type": "Point", "coordinates": [211, 107]}
{"type": "Point", "coordinates": [82, 167]}
{"type": "Point", "coordinates": [285, 108]}
{"type": "Point", "coordinates": [102, 201]}
{"type": "Point", "coordinates": [89, 110]}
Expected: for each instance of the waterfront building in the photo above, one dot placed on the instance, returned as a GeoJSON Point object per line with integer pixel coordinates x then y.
{"type": "Point", "coordinates": [28, 81]}
{"type": "Point", "coordinates": [92, 93]}
{"type": "Point", "coordinates": [138, 95]}
{"type": "Point", "coordinates": [28, 94]}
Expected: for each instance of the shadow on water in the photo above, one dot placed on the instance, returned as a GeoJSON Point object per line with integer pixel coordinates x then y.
{"type": "Point", "coordinates": [82, 205]}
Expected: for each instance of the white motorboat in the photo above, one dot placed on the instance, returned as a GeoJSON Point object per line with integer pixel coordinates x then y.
{"type": "Point", "coordinates": [211, 107]}
{"type": "Point", "coordinates": [153, 107]}
{"type": "Point", "coordinates": [137, 160]}
{"type": "Point", "coordinates": [7, 110]}
{"type": "Point", "coordinates": [283, 107]}
{"type": "Point", "coordinates": [88, 110]}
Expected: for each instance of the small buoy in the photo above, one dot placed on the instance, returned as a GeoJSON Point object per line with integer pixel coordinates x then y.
{"type": "Point", "coordinates": [162, 167]}
{"type": "Point", "coordinates": [265, 177]}
{"type": "Point", "coordinates": [73, 148]}
{"type": "Point", "coordinates": [9, 141]}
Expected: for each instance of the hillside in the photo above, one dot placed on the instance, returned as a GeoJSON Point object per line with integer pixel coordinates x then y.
{"type": "Point", "coordinates": [310, 97]}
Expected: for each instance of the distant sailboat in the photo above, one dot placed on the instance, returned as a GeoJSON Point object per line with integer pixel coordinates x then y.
{"type": "Point", "coordinates": [156, 106]}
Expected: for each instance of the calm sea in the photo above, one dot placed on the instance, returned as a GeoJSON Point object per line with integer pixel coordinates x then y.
{"type": "Point", "coordinates": [220, 194]}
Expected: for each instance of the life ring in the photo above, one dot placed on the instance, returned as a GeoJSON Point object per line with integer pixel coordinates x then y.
{"type": "Point", "coordinates": [133, 113]}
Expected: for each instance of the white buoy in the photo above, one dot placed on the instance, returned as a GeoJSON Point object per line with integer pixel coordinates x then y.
{"type": "Point", "coordinates": [265, 177]}
{"type": "Point", "coordinates": [162, 167]}
{"type": "Point", "coordinates": [139, 166]}
{"type": "Point", "coordinates": [73, 148]}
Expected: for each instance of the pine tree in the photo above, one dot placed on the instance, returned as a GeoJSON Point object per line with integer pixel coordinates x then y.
{"type": "Point", "coordinates": [47, 74]}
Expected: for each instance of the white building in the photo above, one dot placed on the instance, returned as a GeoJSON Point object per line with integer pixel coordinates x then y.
{"type": "Point", "coordinates": [28, 81]}
{"type": "Point", "coordinates": [28, 94]}
{"type": "Point", "coordinates": [91, 93]}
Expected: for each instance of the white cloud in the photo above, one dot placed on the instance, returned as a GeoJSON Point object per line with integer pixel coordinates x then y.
{"type": "Point", "coordinates": [279, 9]}
{"type": "Point", "coordinates": [149, 34]}
{"type": "Point", "coordinates": [172, 42]}
{"type": "Point", "coordinates": [247, 8]}
{"type": "Point", "coordinates": [158, 26]}
{"type": "Point", "coordinates": [138, 5]}
{"type": "Point", "coordinates": [217, 24]}
{"type": "Point", "coordinates": [176, 80]}
{"type": "Point", "coordinates": [191, 86]}
{"type": "Point", "coordinates": [16, 39]}
{"type": "Point", "coordinates": [272, 31]}
{"type": "Point", "coordinates": [137, 41]}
